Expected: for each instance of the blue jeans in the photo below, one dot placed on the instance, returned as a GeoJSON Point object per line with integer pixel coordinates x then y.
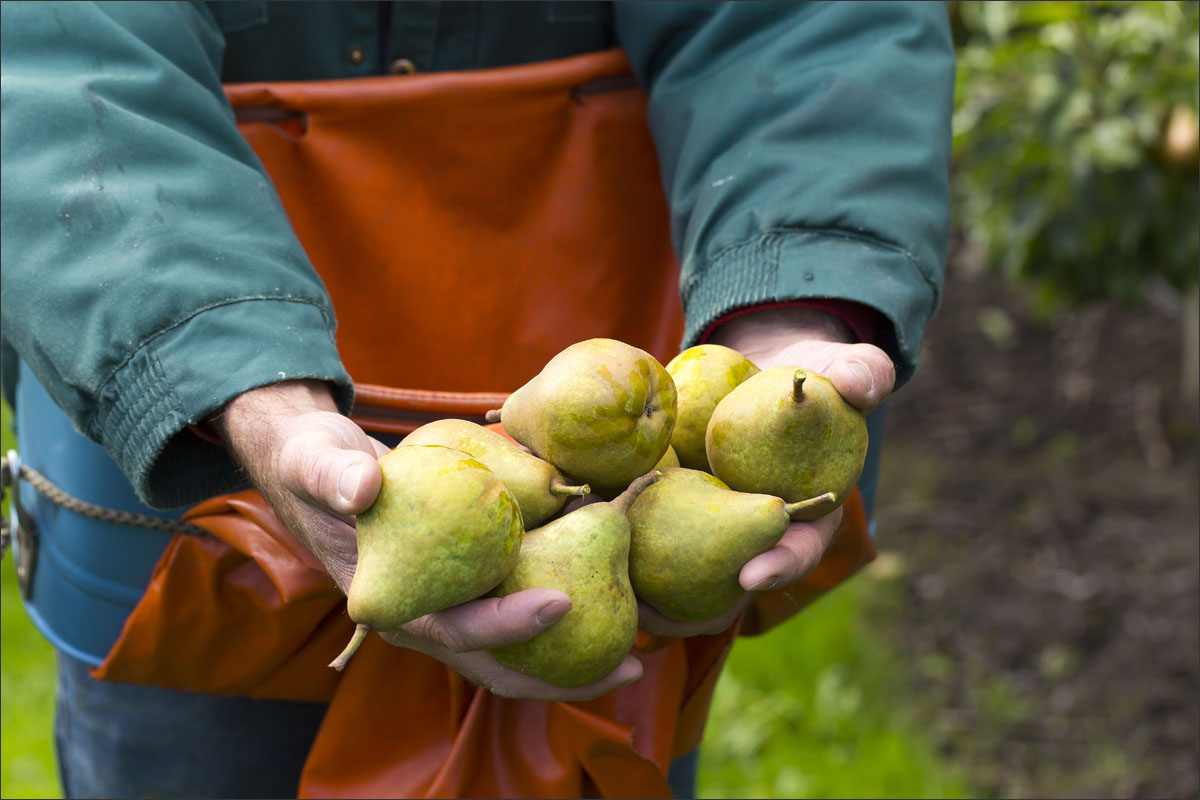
{"type": "Point", "coordinates": [118, 740]}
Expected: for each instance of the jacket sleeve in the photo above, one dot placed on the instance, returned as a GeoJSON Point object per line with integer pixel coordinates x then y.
{"type": "Point", "coordinates": [805, 151]}
{"type": "Point", "coordinates": [150, 272]}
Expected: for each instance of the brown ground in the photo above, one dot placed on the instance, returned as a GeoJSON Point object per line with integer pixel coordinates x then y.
{"type": "Point", "coordinates": [1039, 502]}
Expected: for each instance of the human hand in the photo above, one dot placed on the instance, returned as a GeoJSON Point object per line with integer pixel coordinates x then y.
{"type": "Point", "coordinates": [460, 638]}
{"type": "Point", "coordinates": [862, 373]}
{"type": "Point", "coordinates": [317, 469]}
{"type": "Point", "coordinates": [313, 466]}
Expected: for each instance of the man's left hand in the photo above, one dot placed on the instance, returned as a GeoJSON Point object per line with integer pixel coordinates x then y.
{"type": "Point", "coordinates": [862, 373]}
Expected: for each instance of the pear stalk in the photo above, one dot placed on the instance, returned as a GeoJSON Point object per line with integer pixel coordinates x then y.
{"type": "Point", "coordinates": [493, 415]}
{"type": "Point", "coordinates": [625, 499]}
{"type": "Point", "coordinates": [561, 487]}
{"type": "Point", "coordinates": [798, 385]}
{"type": "Point", "coordinates": [793, 508]}
{"type": "Point", "coordinates": [360, 633]}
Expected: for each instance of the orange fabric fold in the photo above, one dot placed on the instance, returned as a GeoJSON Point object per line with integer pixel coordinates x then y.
{"type": "Point", "coordinates": [248, 612]}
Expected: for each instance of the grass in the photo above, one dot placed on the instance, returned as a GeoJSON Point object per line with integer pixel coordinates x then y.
{"type": "Point", "coordinates": [27, 766]}
{"type": "Point", "coordinates": [818, 707]}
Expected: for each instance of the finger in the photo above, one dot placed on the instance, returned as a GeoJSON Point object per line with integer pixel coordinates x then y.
{"type": "Point", "coordinates": [332, 540]}
{"type": "Point", "coordinates": [493, 621]}
{"type": "Point", "coordinates": [796, 554]}
{"type": "Point", "coordinates": [863, 374]}
{"type": "Point", "coordinates": [313, 466]}
{"type": "Point", "coordinates": [656, 623]}
{"type": "Point", "coordinates": [514, 685]}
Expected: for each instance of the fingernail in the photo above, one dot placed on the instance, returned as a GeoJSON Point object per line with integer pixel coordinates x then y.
{"type": "Point", "coordinates": [348, 483]}
{"type": "Point", "coordinates": [764, 584]}
{"type": "Point", "coordinates": [553, 611]}
{"type": "Point", "coordinates": [865, 379]}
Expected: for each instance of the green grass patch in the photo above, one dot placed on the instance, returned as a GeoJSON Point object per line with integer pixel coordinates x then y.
{"type": "Point", "coordinates": [27, 766]}
{"type": "Point", "coordinates": [27, 671]}
{"type": "Point", "coordinates": [820, 707]}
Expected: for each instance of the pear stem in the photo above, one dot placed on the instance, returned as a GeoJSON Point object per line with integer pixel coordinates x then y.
{"type": "Point", "coordinates": [360, 633]}
{"type": "Point", "coordinates": [798, 385]}
{"type": "Point", "coordinates": [804, 505]}
{"type": "Point", "coordinates": [559, 486]}
{"type": "Point", "coordinates": [493, 415]}
{"type": "Point", "coordinates": [625, 499]}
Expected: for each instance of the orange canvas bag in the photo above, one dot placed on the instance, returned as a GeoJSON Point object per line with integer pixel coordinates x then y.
{"type": "Point", "coordinates": [468, 226]}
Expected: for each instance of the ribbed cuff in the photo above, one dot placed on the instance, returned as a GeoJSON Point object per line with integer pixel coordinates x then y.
{"type": "Point", "coordinates": [789, 265]}
{"type": "Point", "coordinates": [191, 370]}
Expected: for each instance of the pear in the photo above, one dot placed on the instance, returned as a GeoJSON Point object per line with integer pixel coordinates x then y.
{"type": "Point", "coordinates": [443, 530]}
{"type": "Point", "coordinates": [703, 375]}
{"type": "Point", "coordinates": [538, 487]}
{"type": "Point", "coordinates": [690, 537]}
{"type": "Point", "coordinates": [787, 432]}
{"type": "Point", "coordinates": [584, 553]}
{"type": "Point", "coordinates": [602, 411]}
{"type": "Point", "coordinates": [670, 459]}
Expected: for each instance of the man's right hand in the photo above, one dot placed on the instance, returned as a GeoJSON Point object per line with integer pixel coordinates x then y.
{"type": "Point", "coordinates": [317, 469]}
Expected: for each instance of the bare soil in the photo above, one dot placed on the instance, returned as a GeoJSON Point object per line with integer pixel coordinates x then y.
{"type": "Point", "coordinates": [1039, 503]}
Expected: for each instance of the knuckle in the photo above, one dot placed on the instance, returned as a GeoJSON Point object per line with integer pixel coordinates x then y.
{"type": "Point", "coordinates": [435, 629]}
{"type": "Point", "coordinates": [500, 690]}
{"type": "Point", "coordinates": [800, 553]}
{"type": "Point", "coordinates": [317, 478]}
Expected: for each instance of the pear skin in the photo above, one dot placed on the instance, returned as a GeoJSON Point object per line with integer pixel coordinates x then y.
{"type": "Point", "coordinates": [602, 411]}
{"type": "Point", "coordinates": [787, 432]}
{"type": "Point", "coordinates": [690, 537]}
{"type": "Point", "coordinates": [443, 530]}
{"type": "Point", "coordinates": [584, 553]}
{"type": "Point", "coordinates": [539, 488]}
{"type": "Point", "coordinates": [670, 459]}
{"type": "Point", "coordinates": [703, 375]}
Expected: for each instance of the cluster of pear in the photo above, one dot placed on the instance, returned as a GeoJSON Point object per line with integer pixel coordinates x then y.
{"type": "Point", "coordinates": [703, 462]}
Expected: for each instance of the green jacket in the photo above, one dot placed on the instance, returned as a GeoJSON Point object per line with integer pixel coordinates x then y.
{"type": "Point", "coordinates": [149, 271]}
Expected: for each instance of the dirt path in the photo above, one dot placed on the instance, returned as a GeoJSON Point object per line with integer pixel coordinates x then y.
{"type": "Point", "coordinates": [1040, 497]}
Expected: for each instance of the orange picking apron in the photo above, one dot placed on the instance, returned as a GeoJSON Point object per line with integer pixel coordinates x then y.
{"type": "Point", "coordinates": [468, 226]}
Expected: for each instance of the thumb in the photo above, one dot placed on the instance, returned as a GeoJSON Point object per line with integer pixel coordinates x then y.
{"type": "Point", "coordinates": [863, 374]}
{"type": "Point", "coordinates": [342, 480]}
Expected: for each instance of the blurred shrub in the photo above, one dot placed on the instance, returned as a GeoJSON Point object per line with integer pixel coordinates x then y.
{"type": "Point", "coordinates": [1075, 143]}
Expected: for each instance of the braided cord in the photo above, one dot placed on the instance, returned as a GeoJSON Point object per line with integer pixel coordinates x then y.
{"type": "Point", "coordinates": [60, 498]}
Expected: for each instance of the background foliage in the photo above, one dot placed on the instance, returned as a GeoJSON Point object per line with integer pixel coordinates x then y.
{"type": "Point", "coordinates": [1075, 143]}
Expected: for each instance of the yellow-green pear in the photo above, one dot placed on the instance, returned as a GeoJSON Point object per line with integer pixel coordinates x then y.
{"type": "Point", "coordinates": [690, 537]}
{"type": "Point", "coordinates": [538, 487]}
{"type": "Point", "coordinates": [443, 530]}
{"type": "Point", "coordinates": [670, 459]}
{"type": "Point", "coordinates": [787, 432]}
{"type": "Point", "coordinates": [703, 375]}
{"type": "Point", "coordinates": [602, 411]}
{"type": "Point", "coordinates": [584, 553]}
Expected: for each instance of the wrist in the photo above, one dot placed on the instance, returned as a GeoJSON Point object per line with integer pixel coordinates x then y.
{"type": "Point", "coordinates": [254, 423]}
{"type": "Point", "coordinates": [774, 327]}
{"type": "Point", "coordinates": [261, 405]}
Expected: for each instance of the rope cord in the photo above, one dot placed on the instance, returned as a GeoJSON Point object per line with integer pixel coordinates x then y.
{"type": "Point", "coordinates": [60, 498]}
